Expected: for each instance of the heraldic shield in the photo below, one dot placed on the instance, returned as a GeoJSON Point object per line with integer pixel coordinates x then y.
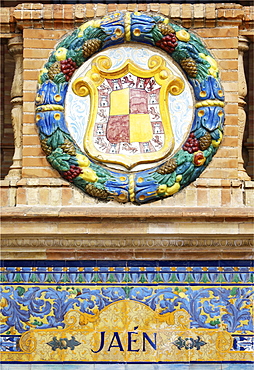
{"type": "Point", "coordinates": [129, 120]}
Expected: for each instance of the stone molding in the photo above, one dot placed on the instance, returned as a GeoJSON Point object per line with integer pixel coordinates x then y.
{"type": "Point", "coordinates": [126, 233]}
{"type": "Point", "coordinates": [68, 15]}
{"type": "Point", "coordinates": [242, 92]}
{"type": "Point", "coordinates": [15, 46]}
{"type": "Point", "coordinates": [111, 248]}
{"type": "Point", "coordinates": [109, 213]}
{"type": "Point", "coordinates": [136, 243]}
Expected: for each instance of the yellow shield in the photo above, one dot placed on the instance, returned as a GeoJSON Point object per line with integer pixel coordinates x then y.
{"type": "Point", "coordinates": [129, 120]}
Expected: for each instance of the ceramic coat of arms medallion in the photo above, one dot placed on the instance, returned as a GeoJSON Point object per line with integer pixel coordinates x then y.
{"type": "Point", "coordinates": [129, 121]}
{"type": "Point", "coordinates": [130, 108]}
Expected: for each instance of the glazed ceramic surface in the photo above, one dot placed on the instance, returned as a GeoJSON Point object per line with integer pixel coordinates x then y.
{"type": "Point", "coordinates": [159, 315]}
{"type": "Point", "coordinates": [181, 107]}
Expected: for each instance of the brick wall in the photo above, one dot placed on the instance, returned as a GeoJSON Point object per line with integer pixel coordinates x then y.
{"type": "Point", "coordinates": [218, 25]}
{"type": "Point", "coordinates": [34, 160]}
{"type": "Point", "coordinates": [221, 41]}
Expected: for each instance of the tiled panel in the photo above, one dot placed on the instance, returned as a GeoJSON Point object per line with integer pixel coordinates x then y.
{"type": "Point", "coordinates": [162, 315]}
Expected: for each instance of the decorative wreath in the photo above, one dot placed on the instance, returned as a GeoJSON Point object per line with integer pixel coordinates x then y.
{"type": "Point", "coordinates": [176, 172]}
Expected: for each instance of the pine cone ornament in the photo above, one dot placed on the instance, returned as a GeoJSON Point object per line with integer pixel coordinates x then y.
{"type": "Point", "coordinates": [190, 66]}
{"type": "Point", "coordinates": [68, 147]}
{"type": "Point", "coordinates": [168, 167]}
{"type": "Point", "coordinates": [45, 147]}
{"type": "Point", "coordinates": [168, 43]}
{"type": "Point", "coordinates": [90, 47]}
{"type": "Point", "coordinates": [95, 192]}
{"type": "Point", "coordinates": [205, 141]}
{"type": "Point", "coordinates": [165, 29]}
{"type": "Point", "coordinates": [54, 70]}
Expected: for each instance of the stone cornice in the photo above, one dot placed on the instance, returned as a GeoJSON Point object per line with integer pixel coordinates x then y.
{"type": "Point", "coordinates": [125, 212]}
{"type": "Point", "coordinates": [127, 233]}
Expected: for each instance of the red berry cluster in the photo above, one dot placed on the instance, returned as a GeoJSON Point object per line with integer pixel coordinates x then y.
{"type": "Point", "coordinates": [168, 43]}
{"type": "Point", "coordinates": [72, 173]}
{"type": "Point", "coordinates": [191, 145]}
{"type": "Point", "coordinates": [68, 67]}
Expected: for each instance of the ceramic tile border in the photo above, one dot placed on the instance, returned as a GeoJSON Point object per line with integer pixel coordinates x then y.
{"type": "Point", "coordinates": [135, 272]}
